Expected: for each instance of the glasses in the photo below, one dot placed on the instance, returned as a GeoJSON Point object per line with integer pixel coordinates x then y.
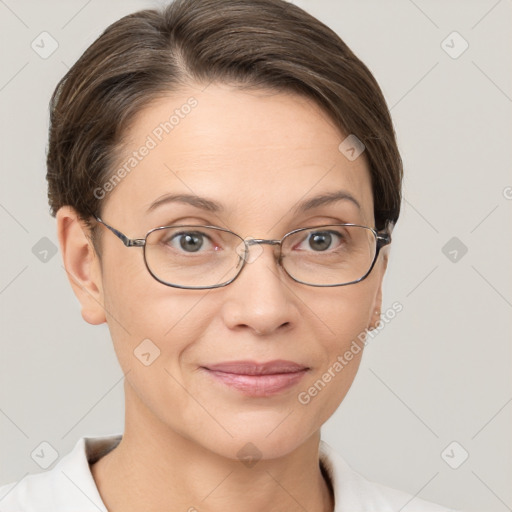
{"type": "Point", "coordinates": [201, 257]}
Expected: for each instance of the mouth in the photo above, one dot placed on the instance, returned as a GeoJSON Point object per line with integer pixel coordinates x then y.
{"type": "Point", "coordinates": [257, 379]}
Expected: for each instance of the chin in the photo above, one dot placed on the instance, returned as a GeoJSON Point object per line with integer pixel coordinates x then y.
{"type": "Point", "coordinates": [255, 443]}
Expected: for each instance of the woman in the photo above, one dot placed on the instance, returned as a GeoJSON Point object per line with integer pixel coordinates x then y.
{"type": "Point", "coordinates": [225, 179]}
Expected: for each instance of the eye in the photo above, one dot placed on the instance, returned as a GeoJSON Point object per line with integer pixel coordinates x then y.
{"type": "Point", "coordinates": [321, 241]}
{"type": "Point", "coordinates": [189, 241]}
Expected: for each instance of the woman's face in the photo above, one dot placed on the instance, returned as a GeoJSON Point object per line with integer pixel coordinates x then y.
{"type": "Point", "coordinates": [258, 155]}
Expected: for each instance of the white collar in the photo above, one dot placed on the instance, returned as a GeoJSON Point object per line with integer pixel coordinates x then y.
{"type": "Point", "coordinates": [70, 486]}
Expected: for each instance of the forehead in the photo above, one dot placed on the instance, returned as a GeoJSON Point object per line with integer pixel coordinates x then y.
{"type": "Point", "coordinates": [253, 151]}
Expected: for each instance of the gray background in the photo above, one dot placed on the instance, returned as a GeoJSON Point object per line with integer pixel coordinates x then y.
{"type": "Point", "coordinates": [438, 373]}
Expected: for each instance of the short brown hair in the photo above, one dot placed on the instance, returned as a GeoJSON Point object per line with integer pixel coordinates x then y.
{"type": "Point", "coordinates": [269, 44]}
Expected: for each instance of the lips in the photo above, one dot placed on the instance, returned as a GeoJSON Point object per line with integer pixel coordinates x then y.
{"type": "Point", "coordinates": [252, 368]}
{"type": "Point", "coordinates": [257, 379]}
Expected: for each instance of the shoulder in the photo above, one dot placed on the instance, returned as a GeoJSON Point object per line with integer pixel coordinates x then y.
{"type": "Point", "coordinates": [354, 492]}
{"type": "Point", "coordinates": [69, 485]}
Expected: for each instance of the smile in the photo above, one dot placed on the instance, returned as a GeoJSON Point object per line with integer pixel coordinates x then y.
{"type": "Point", "coordinates": [255, 379]}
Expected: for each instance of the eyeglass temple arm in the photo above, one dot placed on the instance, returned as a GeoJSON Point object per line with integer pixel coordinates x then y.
{"type": "Point", "coordinates": [129, 242]}
{"type": "Point", "coordinates": [384, 237]}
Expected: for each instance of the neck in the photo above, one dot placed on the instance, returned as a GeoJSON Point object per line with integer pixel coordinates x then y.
{"type": "Point", "coordinates": [154, 467]}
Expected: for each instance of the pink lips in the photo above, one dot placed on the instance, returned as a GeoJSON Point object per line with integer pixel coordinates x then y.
{"type": "Point", "coordinates": [258, 379]}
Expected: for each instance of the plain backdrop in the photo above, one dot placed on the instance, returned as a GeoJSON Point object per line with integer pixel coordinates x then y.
{"type": "Point", "coordinates": [434, 387]}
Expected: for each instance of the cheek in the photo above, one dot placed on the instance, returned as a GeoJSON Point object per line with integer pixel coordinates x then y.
{"type": "Point", "coordinates": [155, 330]}
{"type": "Point", "coordinates": [341, 313]}
{"type": "Point", "coordinates": [342, 318]}
{"type": "Point", "coordinates": [139, 308]}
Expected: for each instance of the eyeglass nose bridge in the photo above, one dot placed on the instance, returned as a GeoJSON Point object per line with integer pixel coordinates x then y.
{"type": "Point", "coordinates": [251, 256]}
{"type": "Point", "coordinates": [254, 241]}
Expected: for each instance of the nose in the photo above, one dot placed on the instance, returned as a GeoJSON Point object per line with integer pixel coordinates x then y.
{"type": "Point", "coordinates": [260, 299]}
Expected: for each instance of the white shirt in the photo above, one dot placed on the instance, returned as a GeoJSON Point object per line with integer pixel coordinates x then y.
{"type": "Point", "coordinates": [70, 487]}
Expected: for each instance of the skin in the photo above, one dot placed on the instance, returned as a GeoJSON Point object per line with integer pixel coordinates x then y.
{"type": "Point", "coordinates": [257, 153]}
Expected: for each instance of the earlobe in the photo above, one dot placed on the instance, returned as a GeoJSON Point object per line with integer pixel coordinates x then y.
{"type": "Point", "coordinates": [81, 264]}
{"type": "Point", "coordinates": [375, 316]}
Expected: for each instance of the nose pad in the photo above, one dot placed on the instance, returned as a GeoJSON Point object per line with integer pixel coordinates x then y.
{"type": "Point", "coordinates": [249, 252]}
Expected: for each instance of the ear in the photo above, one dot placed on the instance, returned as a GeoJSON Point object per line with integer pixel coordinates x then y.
{"type": "Point", "coordinates": [381, 265]}
{"type": "Point", "coordinates": [82, 264]}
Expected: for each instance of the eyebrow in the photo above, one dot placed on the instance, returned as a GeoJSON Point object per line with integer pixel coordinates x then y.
{"type": "Point", "coordinates": [212, 206]}
{"type": "Point", "coordinates": [198, 202]}
{"type": "Point", "coordinates": [326, 199]}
